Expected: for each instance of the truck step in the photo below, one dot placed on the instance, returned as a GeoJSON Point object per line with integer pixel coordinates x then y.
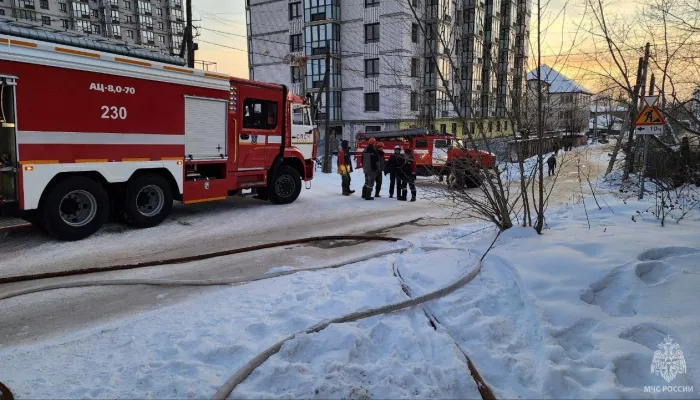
{"type": "Point", "coordinates": [253, 184]}
{"type": "Point", "coordinates": [12, 223]}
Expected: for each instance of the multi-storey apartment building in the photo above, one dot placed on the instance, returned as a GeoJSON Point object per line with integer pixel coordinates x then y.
{"type": "Point", "coordinates": [382, 54]}
{"type": "Point", "coordinates": [154, 24]}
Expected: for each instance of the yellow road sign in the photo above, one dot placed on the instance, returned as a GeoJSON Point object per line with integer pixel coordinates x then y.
{"type": "Point", "coordinates": [649, 116]}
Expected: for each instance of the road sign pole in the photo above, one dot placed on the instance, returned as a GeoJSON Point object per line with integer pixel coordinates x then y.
{"type": "Point", "coordinates": [644, 167]}
{"type": "Point", "coordinates": [651, 102]}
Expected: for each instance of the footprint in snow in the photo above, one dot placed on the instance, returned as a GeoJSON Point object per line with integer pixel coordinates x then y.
{"type": "Point", "coordinates": [653, 272]}
{"type": "Point", "coordinates": [662, 253]}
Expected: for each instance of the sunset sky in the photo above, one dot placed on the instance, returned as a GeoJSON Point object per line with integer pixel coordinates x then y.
{"type": "Point", "coordinates": [222, 36]}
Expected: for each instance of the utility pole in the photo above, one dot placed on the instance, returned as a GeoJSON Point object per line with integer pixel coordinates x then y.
{"type": "Point", "coordinates": [646, 146]}
{"type": "Point", "coordinates": [638, 87]}
{"type": "Point", "coordinates": [327, 168]}
{"type": "Point", "coordinates": [190, 34]}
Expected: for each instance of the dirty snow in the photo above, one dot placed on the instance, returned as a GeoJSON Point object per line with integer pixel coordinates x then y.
{"type": "Point", "coordinates": [577, 312]}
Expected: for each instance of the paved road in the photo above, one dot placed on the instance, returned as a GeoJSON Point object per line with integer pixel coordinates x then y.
{"type": "Point", "coordinates": [200, 229]}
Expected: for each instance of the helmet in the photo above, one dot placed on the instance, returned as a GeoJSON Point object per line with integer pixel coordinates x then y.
{"type": "Point", "coordinates": [372, 140]}
{"type": "Point", "coordinates": [380, 145]}
{"type": "Point", "coordinates": [397, 147]}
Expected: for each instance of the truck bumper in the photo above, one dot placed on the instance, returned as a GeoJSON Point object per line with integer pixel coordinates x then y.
{"type": "Point", "coordinates": [309, 168]}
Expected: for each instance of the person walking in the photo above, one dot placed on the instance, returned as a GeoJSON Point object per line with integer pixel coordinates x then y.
{"type": "Point", "coordinates": [369, 166]}
{"type": "Point", "coordinates": [408, 175]}
{"type": "Point", "coordinates": [551, 163]}
{"type": "Point", "coordinates": [381, 166]}
{"type": "Point", "coordinates": [392, 168]}
{"type": "Point", "coordinates": [345, 167]}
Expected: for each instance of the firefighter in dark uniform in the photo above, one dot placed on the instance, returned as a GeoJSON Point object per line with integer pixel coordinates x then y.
{"type": "Point", "coordinates": [392, 168]}
{"type": "Point", "coordinates": [381, 165]}
{"type": "Point", "coordinates": [369, 166]}
{"type": "Point", "coordinates": [345, 167]}
{"type": "Point", "coordinates": [408, 176]}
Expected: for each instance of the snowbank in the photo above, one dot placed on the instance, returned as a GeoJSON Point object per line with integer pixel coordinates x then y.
{"type": "Point", "coordinates": [574, 313]}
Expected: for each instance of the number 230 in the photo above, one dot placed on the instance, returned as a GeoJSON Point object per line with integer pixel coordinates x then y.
{"type": "Point", "coordinates": [113, 112]}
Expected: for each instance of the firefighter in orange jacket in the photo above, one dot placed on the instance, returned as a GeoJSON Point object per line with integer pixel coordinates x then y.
{"type": "Point", "coordinates": [345, 167]}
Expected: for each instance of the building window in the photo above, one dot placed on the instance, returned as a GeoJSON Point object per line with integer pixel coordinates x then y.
{"type": "Point", "coordinates": [161, 39]}
{"type": "Point", "coordinates": [259, 114]}
{"type": "Point", "coordinates": [146, 21]}
{"type": "Point", "coordinates": [144, 7]}
{"type": "Point", "coordinates": [443, 129]}
{"type": "Point", "coordinates": [147, 37]}
{"type": "Point", "coordinates": [294, 10]}
{"type": "Point", "coordinates": [414, 101]}
{"type": "Point", "coordinates": [178, 28]}
{"type": "Point", "coordinates": [371, 3]}
{"type": "Point", "coordinates": [127, 5]}
{"type": "Point", "coordinates": [159, 11]}
{"type": "Point", "coordinates": [414, 67]}
{"type": "Point", "coordinates": [64, 23]}
{"type": "Point", "coordinates": [296, 74]}
{"type": "Point", "coordinates": [498, 126]}
{"type": "Point", "coordinates": [44, 4]}
{"type": "Point", "coordinates": [95, 28]}
{"type": "Point", "coordinates": [24, 14]}
{"type": "Point", "coordinates": [414, 3]}
{"type": "Point", "coordinates": [414, 33]}
{"type": "Point", "coordinates": [130, 34]}
{"type": "Point", "coordinates": [429, 76]}
{"type": "Point", "coordinates": [371, 101]}
{"type": "Point", "coordinates": [316, 71]}
{"type": "Point", "coordinates": [177, 43]}
{"type": "Point", "coordinates": [115, 16]}
{"type": "Point", "coordinates": [27, 3]}
{"type": "Point", "coordinates": [371, 33]}
{"type": "Point", "coordinates": [129, 19]}
{"type": "Point", "coordinates": [454, 128]}
{"type": "Point", "coordinates": [319, 10]}
{"type": "Point", "coordinates": [318, 37]}
{"type": "Point", "coordinates": [373, 128]}
{"type": "Point", "coordinates": [160, 26]}
{"type": "Point", "coordinates": [2, 11]}
{"type": "Point", "coordinates": [372, 67]}
{"type": "Point", "coordinates": [46, 20]}
{"type": "Point", "coordinates": [63, 7]}
{"type": "Point", "coordinates": [490, 126]}
{"type": "Point", "coordinates": [81, 10]}
{"type": "Point", "coordinates": [505, 126]}
{"type": "Point", "coordinates": [83, 26]}
{"type": "Point", "coordinates": [176, 14]}
{"type": "Point", "coordinates": [295, 43]}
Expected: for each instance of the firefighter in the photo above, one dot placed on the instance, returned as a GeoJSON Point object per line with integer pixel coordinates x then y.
{"type": "Point", "coordinates": [381, 166]}
{"type": "Point", "coordinates": [369, 166]}
{"type": "Point", "coordinates": [551, 163]}
{"type": "Point", "coordinates": [408, 175]}
{"type": "Point", "coordinates": [392, 168]}
{"type": "Point", "coordinates": [345, 167]}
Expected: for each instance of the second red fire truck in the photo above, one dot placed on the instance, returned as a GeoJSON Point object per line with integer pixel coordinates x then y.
{"type": "Point", "coordinates": [85, 132]}
{"type": "Point", "coordinates": [435, 153]}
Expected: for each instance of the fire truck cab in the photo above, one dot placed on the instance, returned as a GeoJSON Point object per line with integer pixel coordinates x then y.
{"type": "Point", "coordinates": [435, 153]}
{"type": "Point", "coordinates": [88, 134]}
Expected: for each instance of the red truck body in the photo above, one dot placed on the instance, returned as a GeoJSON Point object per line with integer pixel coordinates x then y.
{"type": "Point", "coordinates": [432, 151]}
{"type": "Point", "coordinates": [129, 129]}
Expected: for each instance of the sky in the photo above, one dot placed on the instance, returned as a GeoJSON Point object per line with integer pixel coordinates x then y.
{"type": "Point", "coordinates": [222, 30]}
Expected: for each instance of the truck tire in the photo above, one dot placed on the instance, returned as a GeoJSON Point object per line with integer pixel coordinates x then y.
{"type": "Point", "coordinates": [148, 201]}
{"type": "Point", "coordinates": [286, 185]}
{"type": "Point", "coordinates": [74, 209]}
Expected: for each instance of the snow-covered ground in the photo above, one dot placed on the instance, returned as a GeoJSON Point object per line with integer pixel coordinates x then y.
{"type": "Point", "coordinates": [575, 313]}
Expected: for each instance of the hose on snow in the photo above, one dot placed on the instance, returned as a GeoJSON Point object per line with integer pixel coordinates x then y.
{"type": "Point", "coordinates": [190, 282]}
{"type": "Point", "coordinates": [251, 365]}
{"type": "Point", "coordinates": [199, 257]}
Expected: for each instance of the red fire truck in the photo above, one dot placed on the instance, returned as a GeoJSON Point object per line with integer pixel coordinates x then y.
{"type": "Point", "coordinates": [435, 153]}
{"type": "Point", "coordinates": [86, 132]}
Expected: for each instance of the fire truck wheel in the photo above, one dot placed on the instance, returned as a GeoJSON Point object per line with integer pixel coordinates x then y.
{"type": "Point", "coordinates": [286, 186]}
{"type": "Point", "coordinates": [74, 209]}
{"type": "Point", "coordinates": [148, 201]}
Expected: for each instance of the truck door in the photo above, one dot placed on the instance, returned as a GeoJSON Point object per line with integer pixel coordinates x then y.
{"type": "Point", "coordinates": [260, 121]}
{"type": "Point", "coordinates": [8, 143]}
{"type": "Point", "coordinates": [302, 130]}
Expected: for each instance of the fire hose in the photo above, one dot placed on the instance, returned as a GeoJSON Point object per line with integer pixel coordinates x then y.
{"type": "Point", "coordinates": [248, 368]}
